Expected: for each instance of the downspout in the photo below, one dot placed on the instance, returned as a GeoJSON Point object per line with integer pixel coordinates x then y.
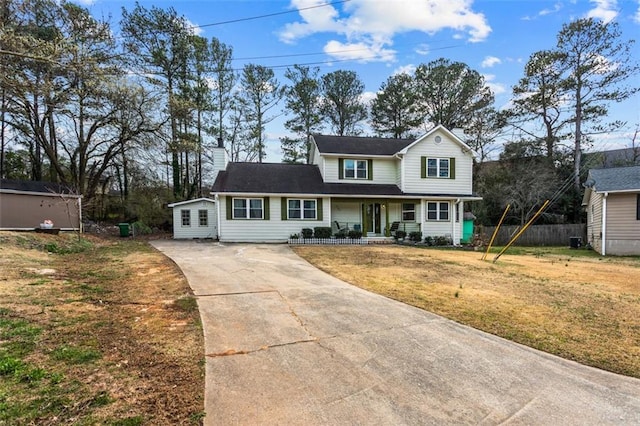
{"type": "Point", "coordinates": [604, 224]}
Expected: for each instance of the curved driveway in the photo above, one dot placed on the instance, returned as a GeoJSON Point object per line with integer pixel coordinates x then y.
{"type": "Point", "coordinates": [288, 344]}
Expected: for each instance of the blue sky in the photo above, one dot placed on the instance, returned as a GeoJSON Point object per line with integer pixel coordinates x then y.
{"type": "Point", "coordinates": [377, 38]}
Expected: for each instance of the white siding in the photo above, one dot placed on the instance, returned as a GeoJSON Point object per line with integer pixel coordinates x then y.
{"type": "Point", "coordinates": [273, 230]}
{"type": "Point", "coordinates": [449, 228]}
{"type": "Point", "coordinates": [317, 159]}
{"type": "Point", "coordinates": [195, 230]}
{"type": "Point", "coordinates": [621, 217]}
{"type": "Point", "coordinates": [462, 184]}
{"type": "Point", "coordinates": [594, 221]}
{"type": "Point", "coordinates": [346, 214]}
{"type": "Point", "coordinates": [384, 171]}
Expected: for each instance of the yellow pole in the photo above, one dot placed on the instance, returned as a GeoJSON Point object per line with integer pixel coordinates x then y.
{"type": "Point", "coordinates": [524, 228]}
{"type": "Point", "coordinates": [495, 232]}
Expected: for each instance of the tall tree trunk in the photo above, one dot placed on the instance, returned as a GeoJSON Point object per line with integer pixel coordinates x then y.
{"type": "Point", "coordinates": [3, 126]}
{"type": "Point", "coordinates": [577, 155]}
{"type": "Point", "coordinates": [199, 164]}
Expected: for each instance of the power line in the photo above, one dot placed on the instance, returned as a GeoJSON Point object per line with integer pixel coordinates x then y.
{"type": "Point", "coordinates": [269, 15]}
{"type": "Point", "coordinates": [294, 55]}
{"type": "Point", "coordinates": [329, 61]}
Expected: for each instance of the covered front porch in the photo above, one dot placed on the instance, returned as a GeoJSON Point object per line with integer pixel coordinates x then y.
{"type": "Point", "coordinates": [375, 217]}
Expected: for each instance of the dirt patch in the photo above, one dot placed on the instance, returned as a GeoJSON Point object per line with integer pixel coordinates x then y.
{"type": "Point", "coordinates": [112, 337]}
{"type": "Point", "coordinates": [581, 308]}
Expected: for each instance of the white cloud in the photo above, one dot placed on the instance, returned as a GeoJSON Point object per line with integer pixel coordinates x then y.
{"type": "Point", "coordinates": [367, 97]}
{"type": "Point", "coordinates": [556, 8]}
{"type": "Point", "coordinates": [374, 23]}
{"type": "Point", "coordinates": [358, 51]}
{"type": "Point", "coordinates": [409, 69]}
{"type": "Point", "coordinates": [196, 29]}
{"type": "Point", "coordinates": [604, 9]}
{"type": "Point", "coordinates": [636, 17]}
{"type": "Point", "coordinates": [496, 88]}
{"type": "Point", "coordinates": [422, 49]}
{"type": "Point", "coordinates": [490, 61]}
{"type": "Point", "coordinates": [85, 2]}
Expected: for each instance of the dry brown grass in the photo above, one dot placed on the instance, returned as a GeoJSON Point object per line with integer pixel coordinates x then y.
{"type": "Point", "coordinates": [119, 302]}
{"type": "Point", "coordinates": [581, 308]}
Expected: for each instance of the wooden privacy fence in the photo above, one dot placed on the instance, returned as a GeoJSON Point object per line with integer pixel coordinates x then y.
{"type": "Point", "coordinates": [537, 235]}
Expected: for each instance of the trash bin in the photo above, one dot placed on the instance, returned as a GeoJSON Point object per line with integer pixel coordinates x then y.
{"type": "Point", "coordinates": [124, 229]}
{"type": "Point", "coordinates": [575, 242]}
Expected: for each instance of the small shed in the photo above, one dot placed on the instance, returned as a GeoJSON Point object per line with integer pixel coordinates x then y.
{"type": "Point", "coordinates": [195, 219]}
{"type": "Point", "coordinates": [612, 201]}
{"type": "Point", "coordinates": [25, 205]}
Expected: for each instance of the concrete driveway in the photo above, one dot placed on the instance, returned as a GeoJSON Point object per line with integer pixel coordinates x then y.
{"type": "Point", "coordinates": [289, 344]}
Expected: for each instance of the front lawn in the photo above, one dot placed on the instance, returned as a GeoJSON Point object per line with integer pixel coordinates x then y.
{"type": "Point", "coordinates": [572, 303]}
{"type": "Point", "coordinates": [96, 331]}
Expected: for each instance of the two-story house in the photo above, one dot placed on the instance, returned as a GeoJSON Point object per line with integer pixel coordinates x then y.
{"type": "Point", "coordinates": [373, 185]}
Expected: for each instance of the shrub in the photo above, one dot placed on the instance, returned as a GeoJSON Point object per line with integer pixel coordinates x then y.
{"type": "Point", "coordinates": [415, 236]}
{"type": "Point", "coordinates": [355, 235]}
{"type": "Point", "coordinates": [400, 235]}
{"type": "Point", "coordinates": [141, 228]}
{"type": "Point", "coordinates": [322, 232]}
{"type": "Point", "coordinates": [294, 236]}
{"type": "Point", "coordinates": [341, 234]}
{"type": "Point", "coordinates": [307, 233]}
{"type": "Point", "coordinates": [428, 240]}
{"type": "Point", "coordinates": [442, 241]}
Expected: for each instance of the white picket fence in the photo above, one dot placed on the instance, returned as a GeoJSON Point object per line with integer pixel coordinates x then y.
{"type": "Point", "coordinates": [328, 241]}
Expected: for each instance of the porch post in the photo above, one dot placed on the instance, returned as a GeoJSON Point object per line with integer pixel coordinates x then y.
{"type": "Point", "coordinates": [364, 218]}
{"type": "Point", "coordinates": [387, 231]}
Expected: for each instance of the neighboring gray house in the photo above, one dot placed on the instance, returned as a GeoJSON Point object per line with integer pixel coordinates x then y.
{"type": "Point", "coordinates": [24, 205]}
{"type": "Point", "coordinates": [612, 201]}
{"type": "Point", "coordinates": [354, 183]}
{"type": "Point", "coordinates": [195, 219]}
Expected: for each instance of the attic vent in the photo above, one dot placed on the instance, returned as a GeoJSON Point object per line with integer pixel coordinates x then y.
{"type": "Point", "coordinates": [438, 139]}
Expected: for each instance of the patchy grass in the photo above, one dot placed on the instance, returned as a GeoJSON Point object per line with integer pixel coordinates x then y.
{"type": "Point", "coordinates": [572, 303]}
{"type": "Point", "coordinates": [90, 334]}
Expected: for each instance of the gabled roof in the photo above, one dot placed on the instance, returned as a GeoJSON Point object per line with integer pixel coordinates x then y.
{"type": "Point", "coordinates": [185, 202]}
{"type": "Point", "coordinates": [354, 145]}
{"type": "Point", "coordinates": [36, 187]}
{"type": "Point", "coordinates": [449, 133]}
{"type": "Point", "coordinates": [615, 179]}
{"type": "Point", "coordinates": [271, 178]}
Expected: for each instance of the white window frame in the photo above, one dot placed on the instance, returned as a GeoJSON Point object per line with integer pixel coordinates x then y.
{"type": "Point", "coordinates": [439, 168]}
{"type": "Point", "coordinates": [185, 220]}
{"type": "Point", "coordinates": [201, 222]}
{"type": "Point", "coordinates": [247, 208]}
{"type": "Point", "coordinates": [302, 209]}
{"type": "Point", "coordinates": [355, 168]}
{"type": "Point", "coordinates": [405, 211]}
{"type": "Point", "coordinates": [438, 211]}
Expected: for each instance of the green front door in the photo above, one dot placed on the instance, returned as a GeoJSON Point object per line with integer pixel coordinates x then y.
{"type": "Point", "coordinates": [373, 221]}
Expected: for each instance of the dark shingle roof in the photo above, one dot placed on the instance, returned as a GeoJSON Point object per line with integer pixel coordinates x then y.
{"type": "Point", "coordinates": [269, 178]}
{"type": "Point", "coordinates": [614, 179]}
{"type": "Point", "coordinates": [359, 145]}
{"type": "Point", "coordinates": [34, 186]}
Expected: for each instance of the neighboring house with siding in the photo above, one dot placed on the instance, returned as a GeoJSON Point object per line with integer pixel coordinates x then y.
{"type": "Point", "coordinates": [372, 185]}
{"type": "Point", "coordinates": [24, 205]}
{"type": "Point", "coordinates": [195, 219]}
{"type": "Point", "coordinates": [612, 201]}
